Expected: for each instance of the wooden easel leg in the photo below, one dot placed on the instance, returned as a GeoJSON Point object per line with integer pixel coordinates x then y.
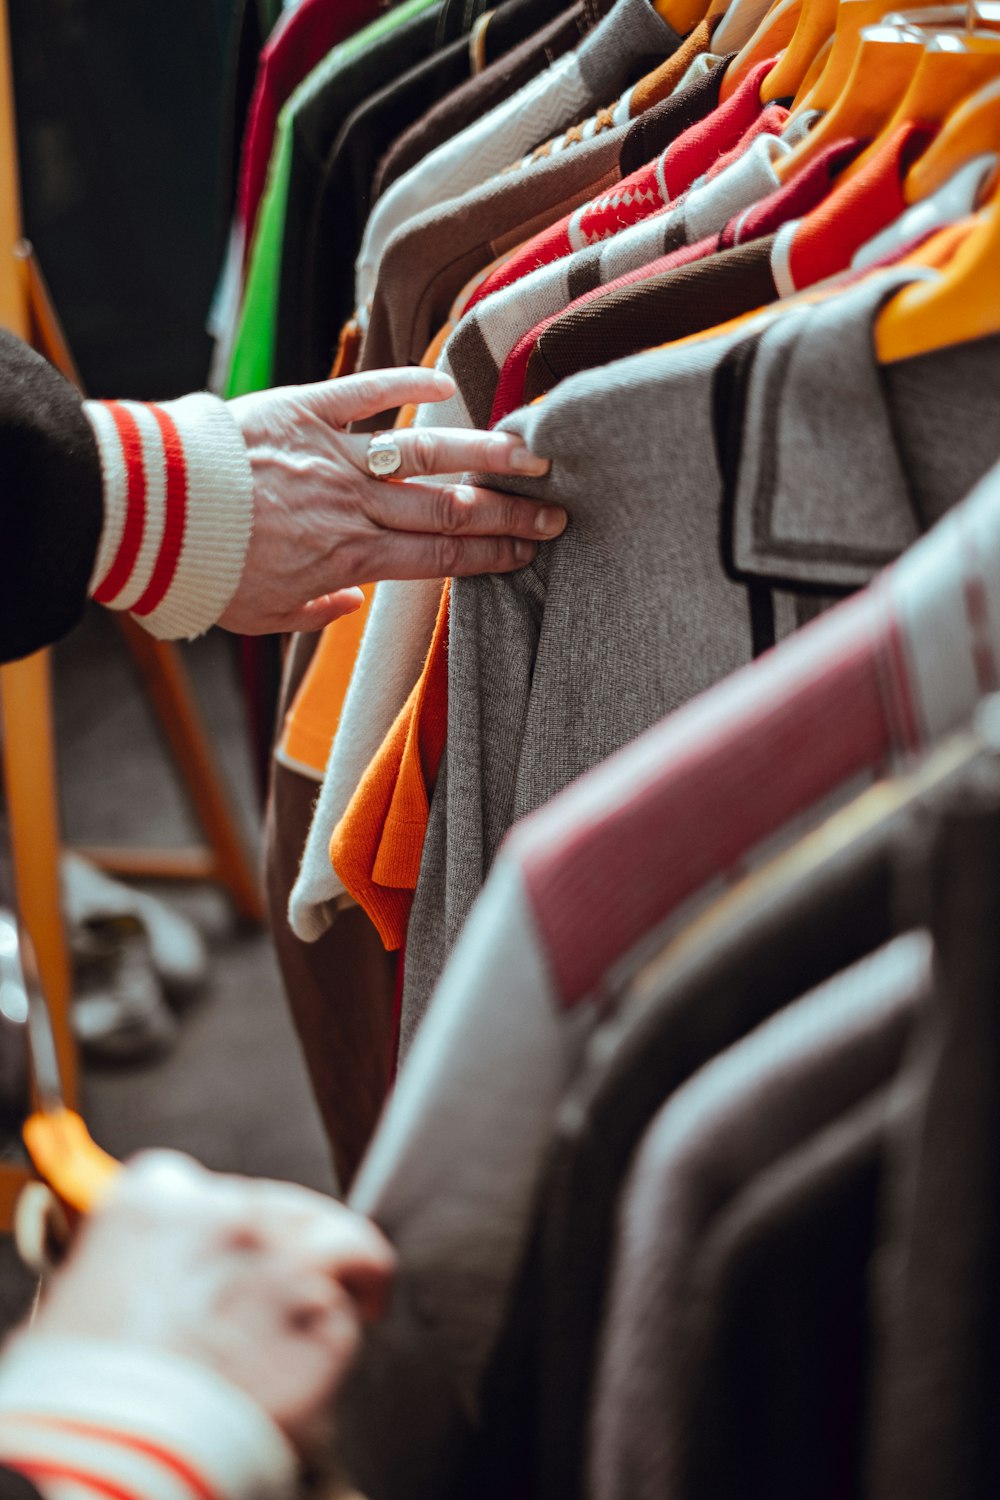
{"type": "Point", "coordinates": [32, 808]}
{"type": "Point", "coordinates": [169, 690]}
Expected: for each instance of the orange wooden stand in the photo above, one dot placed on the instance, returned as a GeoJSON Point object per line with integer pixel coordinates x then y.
{"type": "Point", "coordinates": [28, 741]}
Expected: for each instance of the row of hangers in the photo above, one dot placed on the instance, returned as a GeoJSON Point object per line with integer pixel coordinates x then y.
{"type": "Point", "coordinates": [869, 71]}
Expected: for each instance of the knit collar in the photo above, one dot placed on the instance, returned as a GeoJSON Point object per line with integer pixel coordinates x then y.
{"type": "Point", "coordinates": [820, 495]}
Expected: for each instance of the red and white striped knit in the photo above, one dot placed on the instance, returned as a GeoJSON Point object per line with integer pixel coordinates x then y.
{"type": "Point", "coordinates": [82, 1418]}
{"type": "Point", "coordinates": [702, 149]}
{"type": "Point", "coordinates": [178, 511]}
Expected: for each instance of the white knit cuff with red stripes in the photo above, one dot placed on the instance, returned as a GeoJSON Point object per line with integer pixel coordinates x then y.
{"type": "Point", "coordinates": [84, 1418]}
{"type": "Point", "coordinates": [178, 511]}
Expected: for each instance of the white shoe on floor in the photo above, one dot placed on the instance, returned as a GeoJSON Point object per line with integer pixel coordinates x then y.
{"type": "Point", "coordinates": [176, 947]}
{"type": "Point", "coordinates": [120, 1013]}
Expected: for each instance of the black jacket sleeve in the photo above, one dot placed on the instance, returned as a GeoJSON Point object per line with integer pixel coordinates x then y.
{"type": "Point", "coordinates": [51, 505]}
{"type": "Point", "coordinates": [14, 1486]}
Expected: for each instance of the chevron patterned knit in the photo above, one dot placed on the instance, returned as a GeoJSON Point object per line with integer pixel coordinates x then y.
{"type": "Point", "coordinates": [651, 187]}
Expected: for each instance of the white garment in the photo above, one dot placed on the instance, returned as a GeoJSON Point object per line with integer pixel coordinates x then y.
{"type": "Point", "coordinates": [391, 657]}
{"type": "Point", "coordinates": [709, 206]}
{"type": "Point", "coordinates": [701, 65]}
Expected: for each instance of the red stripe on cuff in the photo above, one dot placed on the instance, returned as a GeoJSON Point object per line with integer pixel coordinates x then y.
{"type": "Point", "coordinates": [39, 1472]}
{"type": "Point", "coordinates": [178, 1466]}
{"type": "Point", "coordinates": [120, 571]}
{"type": "Point", "coordinates": [175, 519]}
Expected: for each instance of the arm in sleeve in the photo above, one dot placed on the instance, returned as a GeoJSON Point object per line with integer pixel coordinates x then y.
{"type": "Point", "coordinates": [81, 1419]}
{"type": "Point", "coordinates": [50, 501]}
{"type": "Point", "coordinates": [145, 506]}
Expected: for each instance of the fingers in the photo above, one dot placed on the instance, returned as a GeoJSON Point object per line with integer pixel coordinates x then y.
{"type": "Point", "coordinates": [451, 450]}
{"type": "Point", "coordinates": [342, 1246]}
{"type": "Point", "coordinates": [462, 510]}
{"type": "Point", "coordinates": [355, 396]}
{"type": "Point", "coordinates": [412, 555]}
{"type": "Point", "coordinates": [250, 618]}
{"type": "Point", "coordinates": [320, 612]}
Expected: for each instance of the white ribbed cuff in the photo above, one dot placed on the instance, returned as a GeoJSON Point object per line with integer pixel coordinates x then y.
{"type": "Point", "coordinates": [128, 1419]}
{"type": "Point", "coordinates": [178, 511]}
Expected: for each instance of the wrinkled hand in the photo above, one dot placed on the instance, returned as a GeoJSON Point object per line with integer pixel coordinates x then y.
{"type": "Point", "coordinates": [322, 523]}
{"type": "Point", "coordinates": [265, 1283]}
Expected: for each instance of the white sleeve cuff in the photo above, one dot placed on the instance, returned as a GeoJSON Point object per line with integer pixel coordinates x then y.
{"type": "Point", "coordinates": [178, 511]}
{"type": "Point", "coordinates": [131, 1419]}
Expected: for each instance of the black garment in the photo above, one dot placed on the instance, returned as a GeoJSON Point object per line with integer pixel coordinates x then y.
{"type": "Point", "coordinates": [784, 1281]}
{"type": "Point", "coordinates": [246, 42]}
{"type": "Point", "coordinates": [52, 499]}
{"type": "Point", "coordinates": [935, 1427]}
{"type": "Point", "coordinates": [344, 199]}
{"type": "Point", "coordinates": [315, 131]}
{"type": "Point", "coordinates": [787, 939]}
{"type": "Point", "coordinates": [478, 95]}
{"type": "Point", "coordinates": [14, 1486]}
{"type": "Point", "coordinates": [343, 203]}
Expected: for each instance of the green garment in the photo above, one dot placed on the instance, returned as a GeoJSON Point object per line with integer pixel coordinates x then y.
{"type": "Point", "coordinates": [253, 351]}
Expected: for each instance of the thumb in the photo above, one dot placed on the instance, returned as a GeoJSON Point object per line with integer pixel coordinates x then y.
{"type": "Point", "coordinates": [354, 397]}
{"type": "Point", "coordinates": [324, 610]}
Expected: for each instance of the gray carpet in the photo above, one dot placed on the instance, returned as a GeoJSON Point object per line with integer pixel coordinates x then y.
{"type": "Point", "coordinates": [234, 1092]}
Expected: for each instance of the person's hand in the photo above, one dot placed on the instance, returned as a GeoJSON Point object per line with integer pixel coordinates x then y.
{"type": "Point", "coordinates": [322, 523]}
{"type": "Point", "coordinates": [265, 1283]}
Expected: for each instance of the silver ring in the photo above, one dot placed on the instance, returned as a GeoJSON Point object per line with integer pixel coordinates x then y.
{"type": "Point", "coordinates": [383, 456]}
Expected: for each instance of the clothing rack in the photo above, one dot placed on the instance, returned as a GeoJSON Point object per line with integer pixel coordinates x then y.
{"type": "Point", "coordinates": [28, 743]}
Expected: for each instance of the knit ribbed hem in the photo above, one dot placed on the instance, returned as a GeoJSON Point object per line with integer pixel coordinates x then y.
{"type": "Point", "coordinates": [125, 1420]}
{"type": "Point", "coordinates": [178, 500]}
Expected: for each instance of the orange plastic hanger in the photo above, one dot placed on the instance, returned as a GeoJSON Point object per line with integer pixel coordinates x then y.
{"type": "Point", "coordinates": [956, 306]}
{"type": "Point", "coordinates": [817, 19]}
{"type": "Point", "coordinates": [951, 68]}
{"type": "Point", "coordinates": [772, 36]}
{"type": "Point", "coordinates": [976, 16]}
{"type": "Point", "coordinates": [970, 130]}
{"type": "Point", "coordinates": [814, 74]}
{"type": "Point", "coordinates": [853, 16]}
{"type": "Point", "coordinates": [884, 61]}
{"type": "Point", "coordinates": [682, 15]}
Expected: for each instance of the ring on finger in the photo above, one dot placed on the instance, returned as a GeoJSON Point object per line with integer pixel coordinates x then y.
{"type": "Point", "coordinates": [383, 456]}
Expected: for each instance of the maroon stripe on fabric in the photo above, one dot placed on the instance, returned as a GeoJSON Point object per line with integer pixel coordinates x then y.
{"type": "Point", "coordinates": [976, 611]}
{"type": "Point", "coordinates": [909, 733]}
{"type": "Point", "coordinates": [120, 571]}
{"type": "Point", "coordinates": [815, 720]}
{"type": "Point", "coordinates": [175, 517]}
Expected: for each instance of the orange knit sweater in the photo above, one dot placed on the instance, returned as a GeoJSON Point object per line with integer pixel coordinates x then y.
{"type": "Point", "coordinates": [377, 846]}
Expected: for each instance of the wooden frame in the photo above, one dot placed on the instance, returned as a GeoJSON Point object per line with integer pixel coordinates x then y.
{"type": "Point", "coordinates": [28, 757]}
